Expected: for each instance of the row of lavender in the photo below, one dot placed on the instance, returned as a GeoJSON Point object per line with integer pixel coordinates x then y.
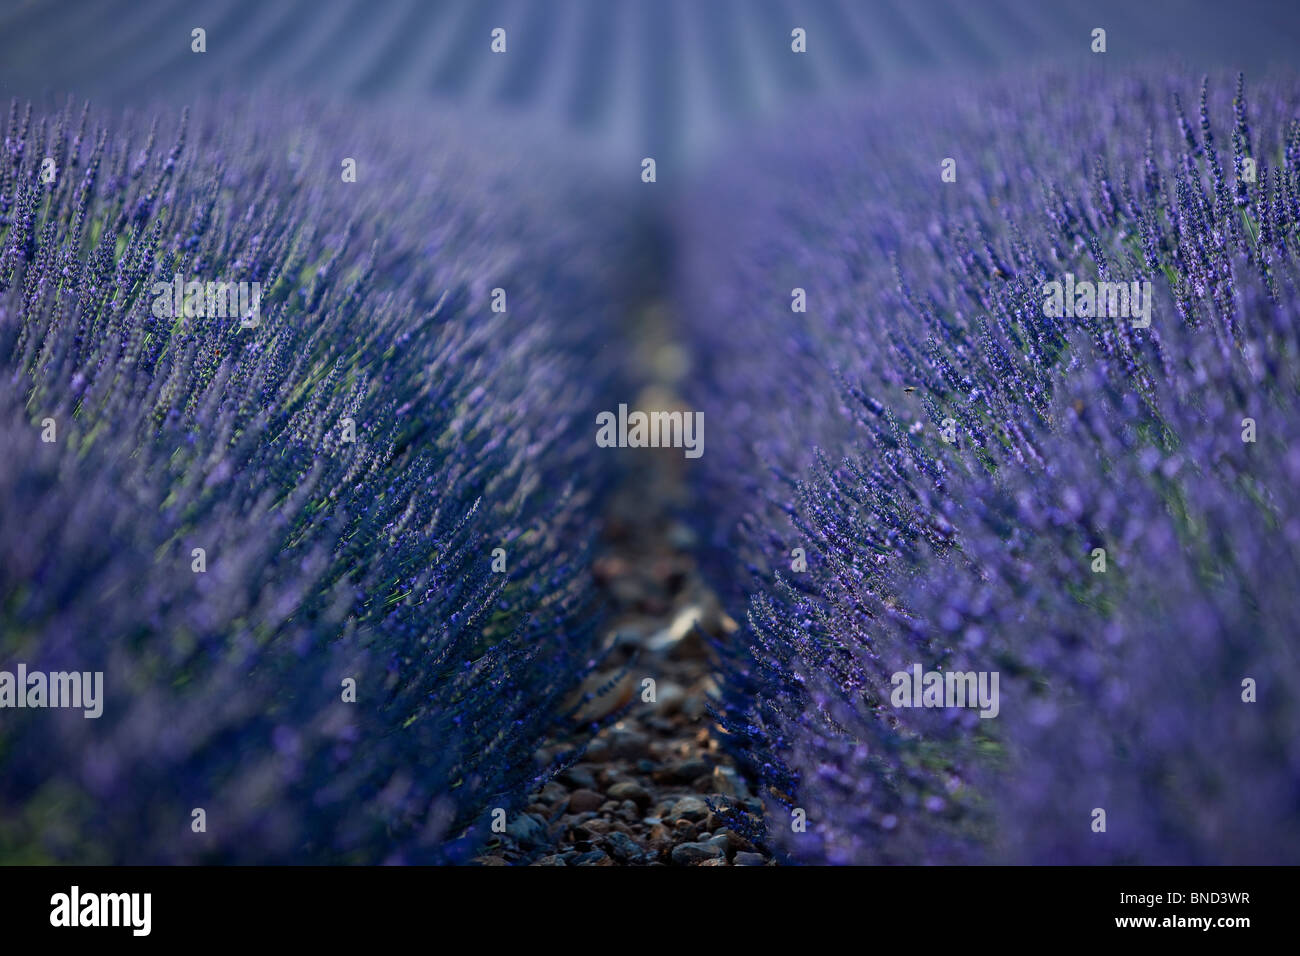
{"type": "Point", "coordinates": [1102, 514]}
{"type": "Point", "coordinates": [275, 530]}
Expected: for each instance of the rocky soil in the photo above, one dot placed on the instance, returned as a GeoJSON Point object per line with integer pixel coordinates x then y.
{"type": "Point", "coordinates": [653, 789]}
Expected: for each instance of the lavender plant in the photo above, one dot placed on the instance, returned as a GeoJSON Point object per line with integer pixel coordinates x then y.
{"type": "Point", "coordinates": [347, 464]}
{"type": "Point", "coordinates": [951, 451]}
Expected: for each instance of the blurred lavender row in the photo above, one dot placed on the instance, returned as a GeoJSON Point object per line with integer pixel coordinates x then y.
{"type": "Point", "coordinates": [1120, 690]}
{"type": "Point", "coordinates": [324, 559]}
{"type": "Point", "coordinates": [624, 78]}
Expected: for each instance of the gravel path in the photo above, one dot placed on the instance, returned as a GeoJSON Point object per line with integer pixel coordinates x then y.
{"type": "Point", "coordinates": [654, 788]}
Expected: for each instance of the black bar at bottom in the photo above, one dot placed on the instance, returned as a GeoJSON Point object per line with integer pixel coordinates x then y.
{"type": "Point", "coordinates": [334, 906]}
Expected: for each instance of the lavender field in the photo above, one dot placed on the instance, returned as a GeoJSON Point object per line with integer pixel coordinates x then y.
{"type": "Point", "coordinates": [609, 434]}
{"type": "Point", "coordinates": [1089, 508]}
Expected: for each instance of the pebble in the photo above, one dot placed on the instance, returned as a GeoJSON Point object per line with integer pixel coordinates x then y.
{"type": "Point", "coordinates": [734, 841]}
{"type": "Point", "coordinates": [628, 744]}
{"type": "Point", "coordinates": [749, 859]}
{"type": "Point", "coordinates": [669, 698]}
{"type": "Point", "coordinates": [721, 842]}
{"type": "Point", "coordinates": [627, 590]}
{"type": "Point", "coordinates": [554, 792]}
{"type": "Point", "coordinates": [690, 769]}
{"type": "Point", "coordinates": [622, 848]}
{"type": "Point", "coordinates": [529, 830]}
{"type": "Point", "coordinates": [729, 783]}
{"type": "Point", "coordinates": [689, 808]}
{"type": "Point", "coordinates": [585, 801]}
{"type": "Point", "coordinates": [618, 690]}
{"type": "Point", "coordinates": [578, 778]}
{"type": "Point", "coordinates": [684, 854]}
